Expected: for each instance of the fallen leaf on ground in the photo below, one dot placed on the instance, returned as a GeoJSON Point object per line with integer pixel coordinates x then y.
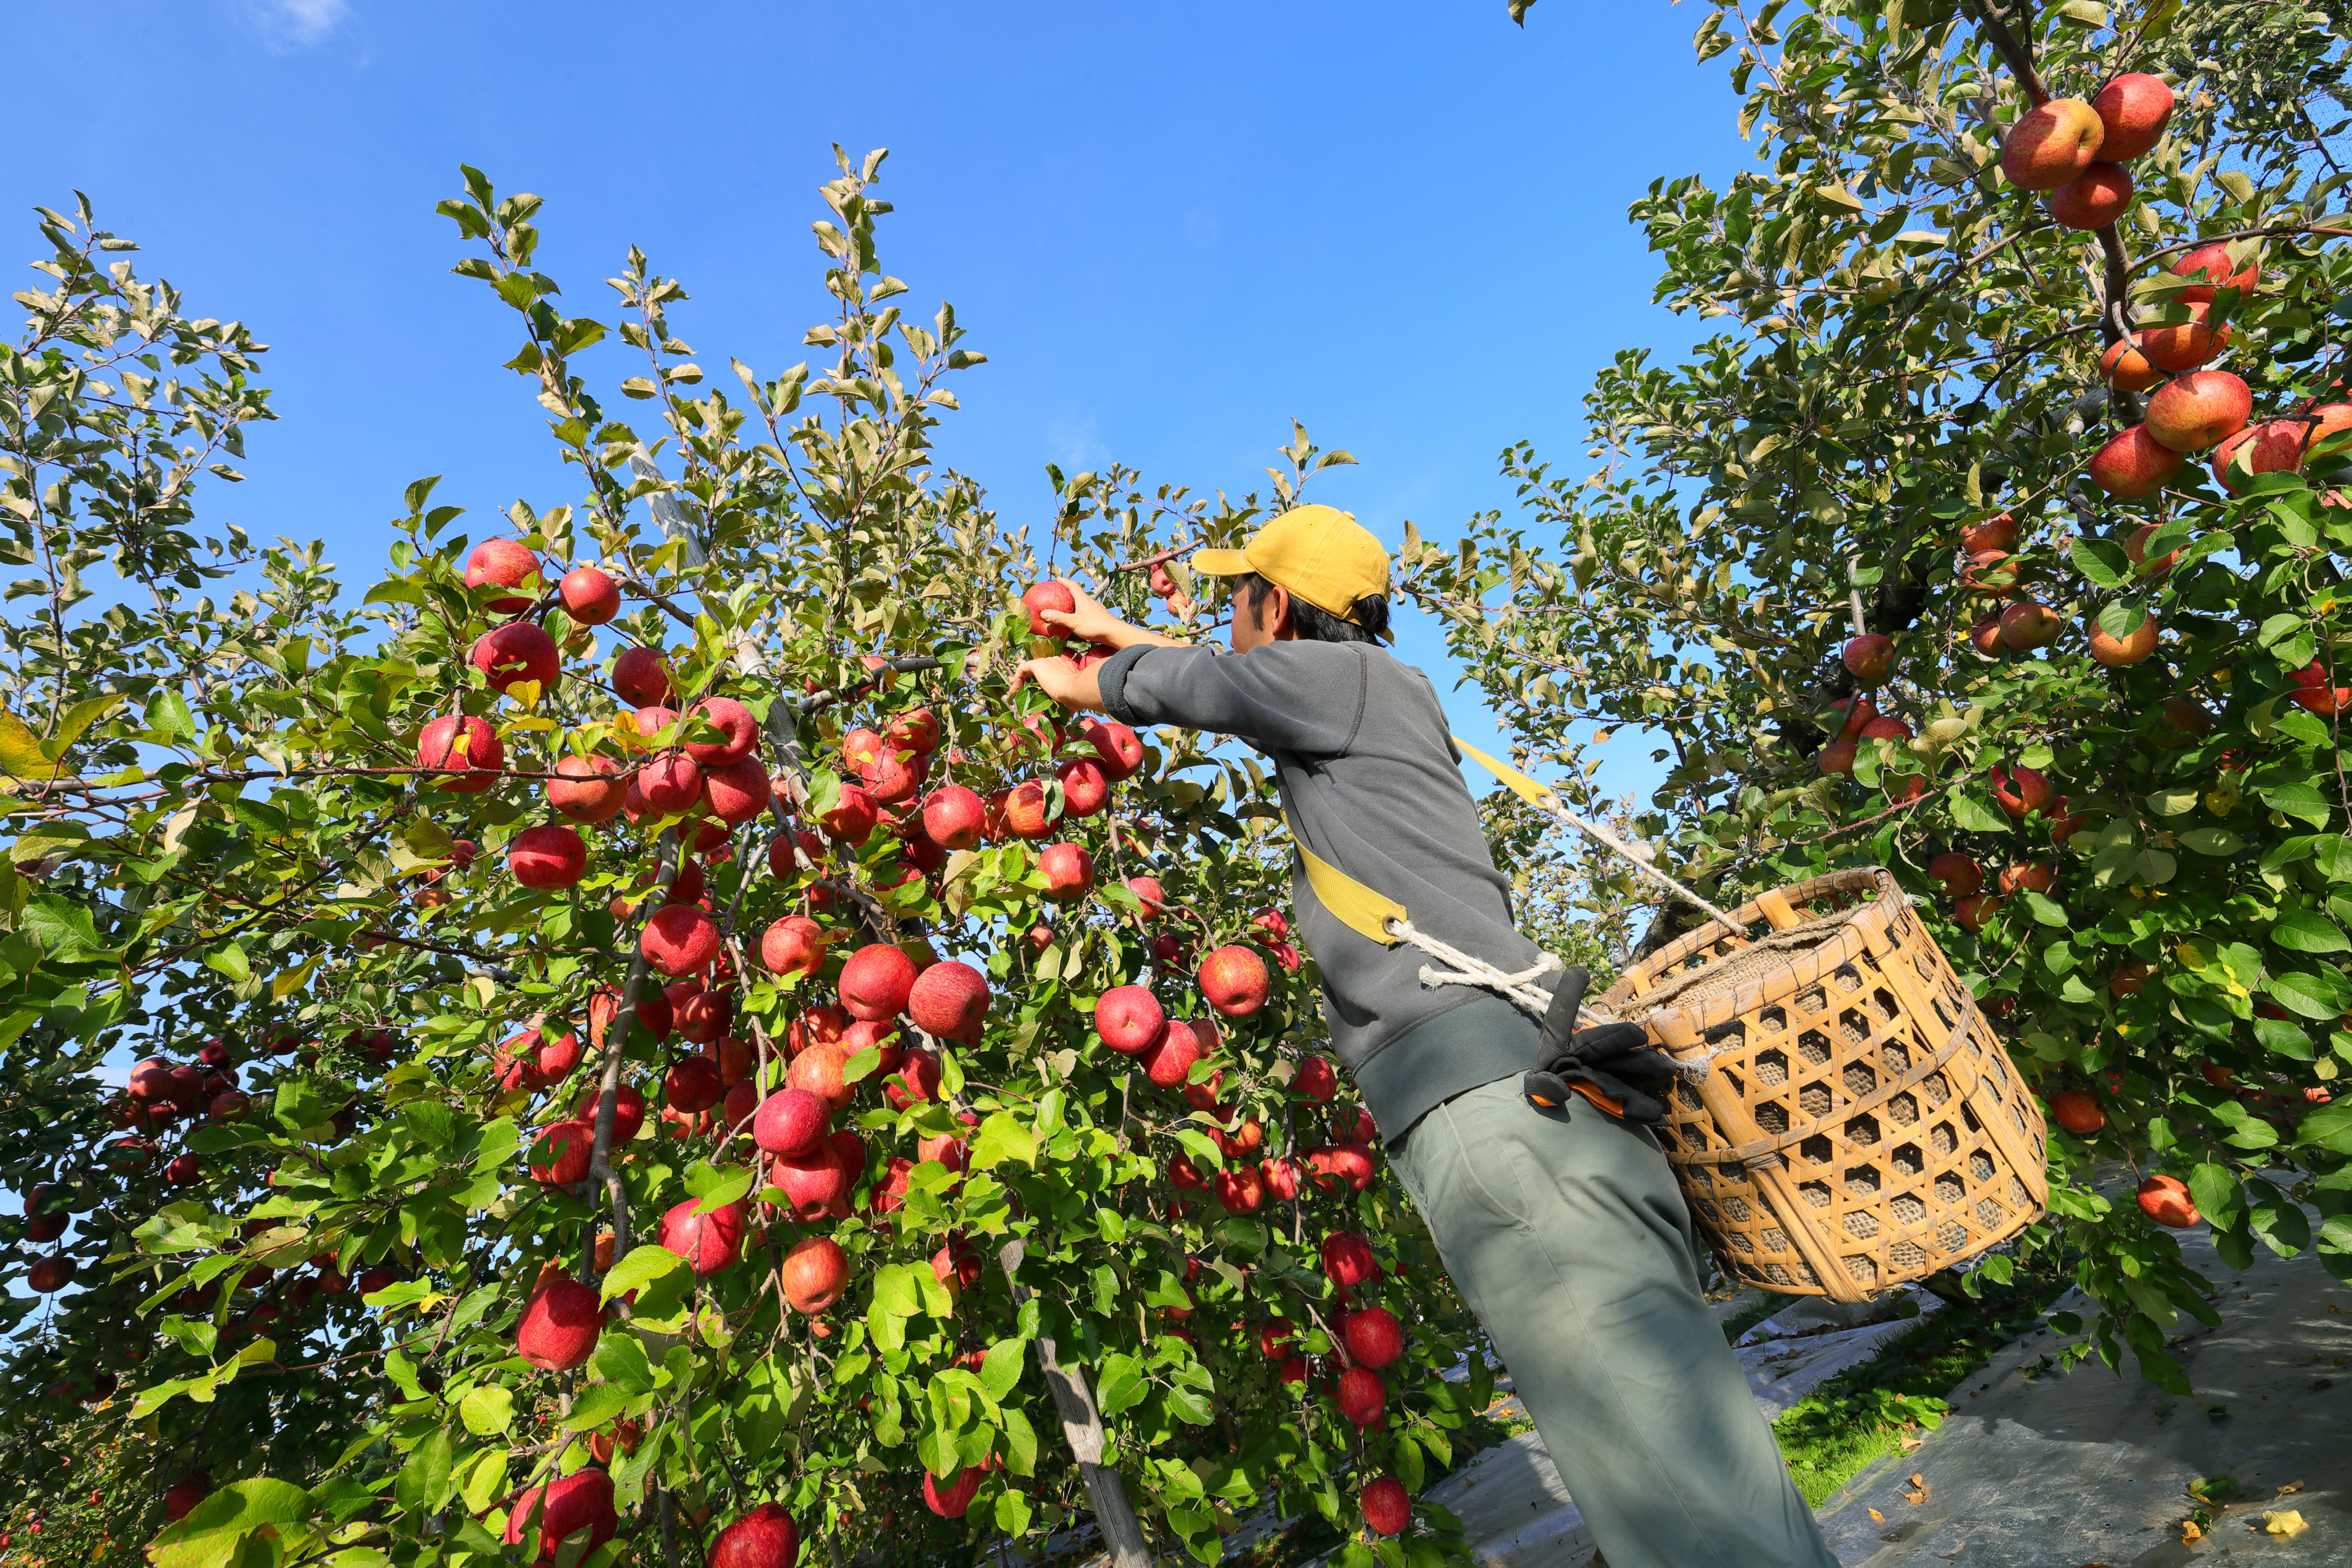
{"type": "Point", "coordinates": [1916, 1498]}
{"type": "Point", "coordinates": [2286, 1523]}
{"type": "Point", "coordinates": [2189, 1531]}
{"type": "Point", "coordinates": [1877, 1516]}
{"type": "Point", "coordinates": [2290, 1489]}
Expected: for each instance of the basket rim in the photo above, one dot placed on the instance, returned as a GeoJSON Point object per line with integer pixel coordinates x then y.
{"type": "Point", "coordinates": [1803, 969]}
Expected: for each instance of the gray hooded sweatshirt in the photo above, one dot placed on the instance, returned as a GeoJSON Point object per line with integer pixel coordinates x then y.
{"type": "Point", "coordinates": [1372, 786]}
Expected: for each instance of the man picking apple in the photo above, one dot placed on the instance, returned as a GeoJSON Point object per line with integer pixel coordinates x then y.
{"type": "Point", "coordinates": [1561, 1222]}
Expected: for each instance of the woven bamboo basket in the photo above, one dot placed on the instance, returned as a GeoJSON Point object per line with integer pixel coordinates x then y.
{"type": "Point", "coordinates": [1858, 1125]}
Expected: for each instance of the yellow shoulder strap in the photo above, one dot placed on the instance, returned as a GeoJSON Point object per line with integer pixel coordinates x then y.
{"type": "Point", "coordinates": [1356, 907]}
{"type": "Point", "coordinates": [1525, 788]}
{"type": "Point", "coordinates": [1366, 912]}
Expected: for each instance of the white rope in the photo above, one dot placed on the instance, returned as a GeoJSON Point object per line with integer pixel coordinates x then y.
{"type": "Point", "coordinates": [1473, 971]}
{"type": "Point", "coordinates": [1470, 970]}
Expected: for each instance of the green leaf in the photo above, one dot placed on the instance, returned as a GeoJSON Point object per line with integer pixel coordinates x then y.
{"type": "Point", "coordinates": [2330, 1127]}
{"type": "Point", "coordinates": [2217, 1193]}
{"type": "Point", "coordinates": [2213, 841]}
{"type": "Point", "coordinates": [646, 1263]}
{"type": "Point", "coordinates": [1013, 1512]}
{"type": "Point", "coordinates": [2282, 1038]}
{"type": "Point", "coordinates": [1001, 1137]}
{"type": "Point", "coordinates": [486, 1411]}
{"type": "Point", "coordinates": [422, 1483]}
{"type": "Point", "coordinates": [2306, 931]}
{"type": "Point", "coordinates": [1122, 1385]}
{"type": "Point", "coordinates": [2297, 799]}
{"type": "Point", "coordinates": [1974, 816]}
{"type": "Point", "coordinates": [167, 713]}
{"type": "Point", "coordinates": [2104, 563]}
{"type": "Point", "coordinates": [714, 1186]}
{"type": "Point", "coordinates": [1001, 1369]}
{"type": "Point", "coordinates": [2173, 801]}
{"type": "Point", "coordinates": [209, 1535]}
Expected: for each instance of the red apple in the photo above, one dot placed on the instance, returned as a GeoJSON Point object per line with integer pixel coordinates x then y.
{"type": "Point", "coordinates": [517, 651]}
{"type": "Point", "coordinates": [708, 1242]}
{"type": "Point", "coordinates": [463, 753]}
{"type": "Point", "coordinates": [2272, 447]}
{"type": "Point", "coordinates": [1040, 597]}
{"type": "Point", "coordinates": [702, 1016]}
{"type": "Point", "coordinates": [1361, 1395]}
{"type": "Point", "coordinates": [2183, 345]}
{"type": "Point", "coordinates": [692, 1085]}
{"type": "Point", "coordinates": [596, 796]}
{"type": "Point", "coordinates": [573, 1508]}
{"type": "Point", "coordinates": [548, 856]}
{"type": "Point", "coordinates": [2211, 263]}
{"type": "Point", "coordinates": [736, 792]}
{"type": "Point", "coordinates": [2052, 144]}
{"type": "Point", "coordinates": [1373, 1336]}
{"type": "Point", "coordinates": [1973, 911]}
{"type": "Point", "coordinates": [952, 1500]}
{"type": "Point", "coordinates": [2021, 791]}
{"type": "Point", "coordinates": [2126, 367]}
{"type": "Point", "coordinates": [1868, 658]}
{"type": "Point", "coordinates": [185, 1493]}
{"type": "Point", "coordinates": [2130, 648]}
{"type": "Point", "coordinates": [2314, 692]}
{"type": "Point", "coordinates": [1960, 874]}
{"type": "Point", "coordinates": [1234, 980]}
{"type": "Point", "coordinates": [654, 1019]}
{"type": "Point", "coordinates": [812, 1182]}
{"type": "Point", "coordinates": [1068, 870]}
{"type": "Point", "coordinates": [1147, 889]}
{"type": "Point", "coordinates": [1117, 748]}
{"type": "Point", "coordinates": [1241, 1189]}
{"type": "Point", "coordinates": [1388, 1506]}
{"type": "Point", "coordinates": [2165, 1199]}
{"type": "Point", "coordinates": [560, 1325]}
{"type": "Point", "coordinates": [1128, 1018]}
{"type": "Point", "coordinates": [954, 818]}
{"type": "Point", "coordinates": [814, 1274]}
{"type": "Point", "coordinates": [2131, 110]}
{"type": "Point", "coordinates": [679, 939]}
{"type": "Point", "coordinates": [793, 945]}
{"type": "Point", "coordinates": [1084, 788]}
{"type": "Point", "coordinates": [2077, 1111]}
{"type": "Point", "coordinates": [791, 1121]}
{"type": "Point", "coordinates": [1837, 757]}
{"type": "Point", "coordinates": [2132, 464]}
{"type": "Point", "coordinates": [1347, 1258]}
{"type": "Point", "coordinates": [1168, 1062]}
{"type": "Point", "coordinates": [628, 1112]}
{"type": "Point", "coordinates": [765, 1537]}
{"type": "Point", "coordinates": [1315, 1081]}
{"type": "Point", "coordinates": [818, 1071]}
{"type": "Point", "coordinates": [1281, 1179]}
{"type": "Point", "coordinates": [589, 597]}
{"type": "Point", "coordinates": [734, 721]}
{"type": "Point", "coordinates": [949, 1000]}
{"type": "Point", "coordinates": [503, 563]}
{"type": "Point", "coordinates": [1025, 810]}
{"type": "Point", "coordinates": [562, 1154]}
{"type": "Point", "coordinates": [2027, 624]}
{"type": "Point", "coordinates": [641, 677]}
{"type": "Point", "coordinates": [2192, 412]}
{"type": "Point", "coordinates": [853, 818]}
{"type": "Point", "coordinates": [876, 982]}
{"type": "Point", "coordinates": [917, 731]}
{"type": "Point", "coordinates": [917, 1079]}
{"type": "Point", "coordinates": [2093, 199]}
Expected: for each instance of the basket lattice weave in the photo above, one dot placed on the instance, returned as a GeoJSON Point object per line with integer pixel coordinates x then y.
{"type": "Point", "coordinates": [1860, 1127]}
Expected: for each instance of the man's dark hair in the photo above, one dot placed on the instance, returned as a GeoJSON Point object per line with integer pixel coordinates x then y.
{"type": "Point", "coordinates": [1366, 620]}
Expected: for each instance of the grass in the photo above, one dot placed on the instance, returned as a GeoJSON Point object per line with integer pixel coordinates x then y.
{"type": "Point", "coordinates": [1833, 1433]}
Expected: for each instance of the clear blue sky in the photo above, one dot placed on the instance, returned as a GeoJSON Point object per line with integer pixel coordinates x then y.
{"type": "Point", "coordinates": [1171, 228]}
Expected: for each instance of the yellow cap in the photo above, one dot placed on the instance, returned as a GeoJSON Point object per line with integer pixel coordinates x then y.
{"type": "Point", "coordinates": [1319, 554]}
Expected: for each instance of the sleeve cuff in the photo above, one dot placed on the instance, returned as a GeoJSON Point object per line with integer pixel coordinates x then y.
{"type": "Point", "coordinates": [1111, 677]}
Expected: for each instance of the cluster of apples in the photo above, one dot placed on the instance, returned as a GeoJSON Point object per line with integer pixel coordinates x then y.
{"type": "Point", "coordinates": [1869, 658]}
{"type": "Point", "coordinates": [2076, 150]}
{"type": "Point", "coordinates": [2025, 795]}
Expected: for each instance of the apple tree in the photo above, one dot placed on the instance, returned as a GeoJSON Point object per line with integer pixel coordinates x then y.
{"type": "Point", "coordinates": [647, 1044]}
{"type": "Point", "coordinates": [1991, 535]}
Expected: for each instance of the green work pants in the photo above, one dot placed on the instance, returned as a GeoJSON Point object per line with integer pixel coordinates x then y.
{"type": "Point", "coordinates": [1566, 1234]}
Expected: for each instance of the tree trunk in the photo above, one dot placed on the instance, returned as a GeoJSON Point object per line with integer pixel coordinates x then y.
{"type": "Point", "coordinates": [1082, 1427]}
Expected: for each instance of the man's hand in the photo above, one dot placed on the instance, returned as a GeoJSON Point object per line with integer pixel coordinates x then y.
{"type": "Point", "coordinates": [1091, 621]}
{"type": "Point", "coordinates": [1061, 680]}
